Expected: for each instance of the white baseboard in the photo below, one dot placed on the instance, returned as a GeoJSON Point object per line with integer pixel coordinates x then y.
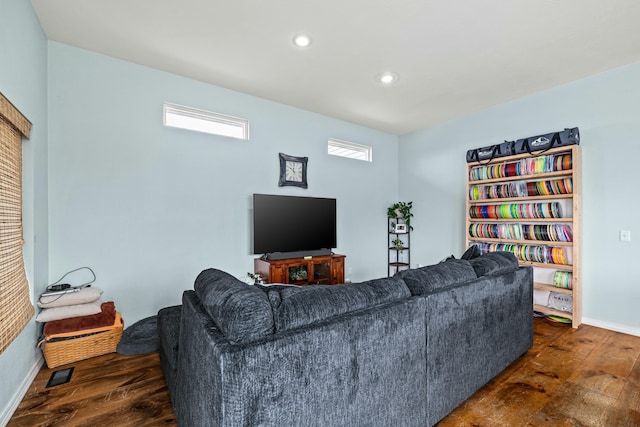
{"type": "Point", "coordinates": [612, 326]}
{"type": "Point", "coordinates": [17, 398]}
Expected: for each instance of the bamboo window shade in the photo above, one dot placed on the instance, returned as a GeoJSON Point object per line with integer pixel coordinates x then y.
{"type": "Point", "coordinates": [15, 304]}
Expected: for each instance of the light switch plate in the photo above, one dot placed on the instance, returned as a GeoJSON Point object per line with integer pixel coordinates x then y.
{"type": "Point", "coordinates": [625, 235]}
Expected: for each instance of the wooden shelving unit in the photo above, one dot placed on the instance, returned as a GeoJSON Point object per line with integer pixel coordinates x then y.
{"type": "Point", "coordinates": [489, 217]}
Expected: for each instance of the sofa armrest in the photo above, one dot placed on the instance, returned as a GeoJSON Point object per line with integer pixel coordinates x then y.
{"type": "Point", "coordinates": [197, 398]}
{"type": "Point", "coordinates": [475, 330]}
{"type": "Point", "coordinates": [361, 368]}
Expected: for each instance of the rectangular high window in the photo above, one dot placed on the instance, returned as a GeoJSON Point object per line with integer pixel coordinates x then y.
{"type": "Point", "coordinates": [205, 121]}
{"type": "Point", "coordinates": [350, 150]}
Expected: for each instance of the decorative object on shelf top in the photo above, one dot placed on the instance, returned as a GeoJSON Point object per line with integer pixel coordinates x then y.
{"type": "Point", "coordinates": [401, 210]}
{"type": "Point", "coordinates": [569, 136]}
{"type": "Point", "coordinates": [541, 143]}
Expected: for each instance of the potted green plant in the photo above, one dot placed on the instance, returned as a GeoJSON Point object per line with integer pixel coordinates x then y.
{"type": "Point", "coordinates": [397, 244]}
{"type": "Point", "coordinates": [256, 277]}
{"type": "Point", "coordinates": [401, 210]}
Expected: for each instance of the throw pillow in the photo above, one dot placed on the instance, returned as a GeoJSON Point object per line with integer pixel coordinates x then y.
{"type": "Point", "coordinates": [425, 280]}
{"type": "Point", "coordinates": [471, 253]}
{"type": "Point", "coordinates": [140, 338]}
{"type": "Point", "coordinates": [83, 296]}
{"type": "Point", "coordinates": [494, 263]}
{"type": "Point", "coordinates": [67, 311]}
{"type": "Point", "coordinates": [242, 312]}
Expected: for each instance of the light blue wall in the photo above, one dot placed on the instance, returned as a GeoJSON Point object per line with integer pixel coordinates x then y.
{"type": "Point", "coordinates": [23, 56]}
{"type": "Point", "coordinates": [149, 207]}
{"type": "Point", "coordinates": [606, 108]}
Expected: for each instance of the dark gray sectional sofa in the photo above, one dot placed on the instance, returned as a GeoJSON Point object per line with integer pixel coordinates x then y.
{"type": "Point", "coordinates": [400, 351]}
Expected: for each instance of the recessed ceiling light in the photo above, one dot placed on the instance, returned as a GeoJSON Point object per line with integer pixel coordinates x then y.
{"type": "Point", "coordinates": [387, 78]}
{"type": "Point", "coordinates": [302, 40]}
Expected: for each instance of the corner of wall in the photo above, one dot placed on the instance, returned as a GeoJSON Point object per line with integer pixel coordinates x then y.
{"type": "Point", "coordinates": [12, 405]}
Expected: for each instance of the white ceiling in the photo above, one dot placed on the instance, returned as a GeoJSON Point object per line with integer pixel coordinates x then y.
{"type": "Point", "coordinates": [453, 57]}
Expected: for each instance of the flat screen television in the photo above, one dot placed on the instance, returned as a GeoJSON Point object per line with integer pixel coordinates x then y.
{"type": "Point", "coordinates": [293, 224]}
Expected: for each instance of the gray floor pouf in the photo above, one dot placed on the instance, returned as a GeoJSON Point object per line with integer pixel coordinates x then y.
{"type": "Point", "coordinates": [140, 338]}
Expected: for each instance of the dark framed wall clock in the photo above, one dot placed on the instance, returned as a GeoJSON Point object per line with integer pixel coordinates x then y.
{"type": "Point", "coordinates": [293, 171]}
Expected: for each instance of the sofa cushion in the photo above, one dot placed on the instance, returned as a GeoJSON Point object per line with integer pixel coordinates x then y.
{"type": "Point", "coordinates": [242, 312]}
{"type": "Point", "coordinates": [425, 280]}
{"type": "Point", "coordinates": [493, 263]}
{"type": "Point", "coordinates": [298, 306]}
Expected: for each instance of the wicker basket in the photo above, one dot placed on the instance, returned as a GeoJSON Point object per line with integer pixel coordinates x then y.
{"type": "Point", "coordinates": [58, 353]}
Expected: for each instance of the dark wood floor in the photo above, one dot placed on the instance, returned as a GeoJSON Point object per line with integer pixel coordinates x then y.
{"type": "Point", "coordinates": [583, 377]}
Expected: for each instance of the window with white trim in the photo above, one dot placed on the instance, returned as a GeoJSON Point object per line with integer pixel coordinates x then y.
{"type": "Point", "coordinates": [351, 150]}
{"type": "Point", "coordinates": [182, 117]}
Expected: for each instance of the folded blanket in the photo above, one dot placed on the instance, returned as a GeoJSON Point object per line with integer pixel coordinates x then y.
{"type": "Point", "coordinates": [106, 317]}
{"type": "Point", "coordinates": [83, 333]}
